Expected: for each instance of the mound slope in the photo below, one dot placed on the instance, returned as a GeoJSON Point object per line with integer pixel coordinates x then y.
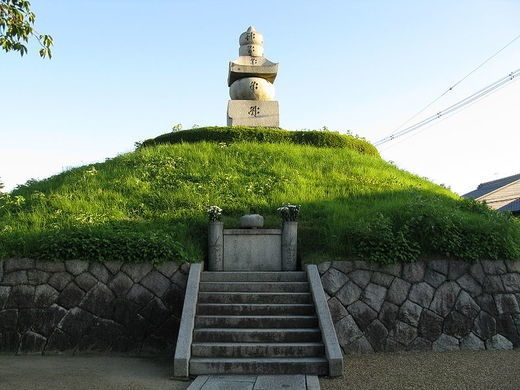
{"type": "Point", "coordinates": [150, 205]}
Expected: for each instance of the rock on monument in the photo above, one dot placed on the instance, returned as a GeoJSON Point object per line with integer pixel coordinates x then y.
{"type": "Point", "coordinates": [250, 82]}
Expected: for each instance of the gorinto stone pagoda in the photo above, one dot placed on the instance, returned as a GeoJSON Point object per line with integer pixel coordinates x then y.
{"type": "Point", "coordinates": [250, 82]}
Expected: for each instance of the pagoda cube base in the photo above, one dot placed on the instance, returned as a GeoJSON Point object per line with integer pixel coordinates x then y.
{"type": "Point", "coordinates": [254, 113]}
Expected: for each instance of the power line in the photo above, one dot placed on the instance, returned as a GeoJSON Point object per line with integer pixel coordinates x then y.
{"type": "Point", "coordinates": [480, 66]}
{"type": "Point", "coordinates": [457, 106]}
{"type": "Point", "coordinates": [457, 83]}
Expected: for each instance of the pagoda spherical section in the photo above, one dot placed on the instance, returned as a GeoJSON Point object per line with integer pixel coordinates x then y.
{"type": "Point", "coordinates": [251, 88]}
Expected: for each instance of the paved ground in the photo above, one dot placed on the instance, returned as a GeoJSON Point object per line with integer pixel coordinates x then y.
{"type": "Point", "coordinates": [475, 370]}
{"type": "Point", "coordinates": [487, 370]}
{"type": "Point", "coordinates": [253, 382]}
{"type": "Point", "coordinates": [32, 372]}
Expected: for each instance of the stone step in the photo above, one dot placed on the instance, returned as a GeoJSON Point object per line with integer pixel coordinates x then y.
{"type": "Point", "coordinates": [258, 322]}
{"type": "Point", "coordinates": [272, 335]}
{"type": "Point", "coordinates": [285, 276]}
{"type": "Point", "coordinates": [254, 297]}
{"type": "Point", "coordinates": [255, 286]}
{"type": "Point", "coordinates": [246, 350]}
{"type": "Point", "coordinates": [255, 309]}
{"type": "Point", "coordinates": [259, 366]}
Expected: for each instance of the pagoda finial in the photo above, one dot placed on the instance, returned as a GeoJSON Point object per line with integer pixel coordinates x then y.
{"type": "Point", "coordinates": [251, 43]}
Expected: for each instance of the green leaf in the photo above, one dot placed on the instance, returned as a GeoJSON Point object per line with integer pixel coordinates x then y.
{"type": "Point", "coordinates": [17, 26]}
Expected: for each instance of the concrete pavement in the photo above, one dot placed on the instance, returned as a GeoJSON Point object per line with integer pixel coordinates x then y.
{"type": "Point", "coordinates": [486, 370]}
{"type": "Point", "coordinates": [35, 372]}
{"type": "Point", "coordinates": [252, 382]}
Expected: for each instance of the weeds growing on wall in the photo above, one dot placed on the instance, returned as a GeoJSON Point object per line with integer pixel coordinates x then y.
{"type": "Point", "coordinates": [151, 205]}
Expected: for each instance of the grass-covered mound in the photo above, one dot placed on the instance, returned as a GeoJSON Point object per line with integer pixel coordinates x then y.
{"type": "Point", "coordinates": [229, 135]}
{"type": "Point", "coordinates": [150, 205]}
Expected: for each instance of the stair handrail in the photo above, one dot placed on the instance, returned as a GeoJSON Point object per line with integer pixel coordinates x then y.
{"type": "Point", "coordinates": [181, 362]}
{"type": "Point", "coordinates": [328, 332]}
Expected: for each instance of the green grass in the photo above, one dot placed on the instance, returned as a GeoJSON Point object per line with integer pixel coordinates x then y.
{"type": "Point", "coordinates": [150, 205]}
{"type": "Point", "coordinates": [226, 135]}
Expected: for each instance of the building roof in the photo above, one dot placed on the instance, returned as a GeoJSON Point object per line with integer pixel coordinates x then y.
{"type": "Point", "coordinates": [490, 186]}
{"type": "Point", "coordinates": [514, 206]}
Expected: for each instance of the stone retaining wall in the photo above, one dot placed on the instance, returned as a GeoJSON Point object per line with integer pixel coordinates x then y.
{"type": "Point", "coordinates": [76, 306]}
{"type": "Point", "coordinates": [435, 305]}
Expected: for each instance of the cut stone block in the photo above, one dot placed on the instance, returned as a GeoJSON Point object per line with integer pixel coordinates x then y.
{"type": "Point", "coordinates": [253, 113]}
{"type": "Point", "coordinates": [252, 250]}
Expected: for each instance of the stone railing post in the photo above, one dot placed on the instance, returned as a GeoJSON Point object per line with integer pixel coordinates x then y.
{"type": "Point", "coordinates": [216, 246]}
{"type": "Point", "coordinates": [289, 245]}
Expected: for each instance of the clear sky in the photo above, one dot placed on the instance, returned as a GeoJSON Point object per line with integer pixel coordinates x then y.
{"type": "Point", "coordinates": [126, 70]}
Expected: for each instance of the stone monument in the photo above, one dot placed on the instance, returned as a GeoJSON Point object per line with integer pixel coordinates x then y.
{"type": "Point", "coordinates": [250, 82]}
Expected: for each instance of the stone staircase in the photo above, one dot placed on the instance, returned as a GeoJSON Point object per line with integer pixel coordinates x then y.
{"type": "Point", "coordinates": [261, 323]}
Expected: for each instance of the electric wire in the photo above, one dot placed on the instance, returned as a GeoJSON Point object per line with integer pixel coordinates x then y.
{"type": "Point", "coordinates": [457, 106]}
{"type": "Point", "coordinates": [457, 83]}
{"type": "Point", "coordinates": [410, 135]}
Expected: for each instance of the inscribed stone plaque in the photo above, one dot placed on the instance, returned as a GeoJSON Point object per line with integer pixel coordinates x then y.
{"type": "Point", "coordinates": [253, 113]}
{"type": "Point", "coordinates": [252, 250]}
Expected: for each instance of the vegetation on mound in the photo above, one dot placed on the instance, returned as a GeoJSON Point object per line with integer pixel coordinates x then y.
{"type": "Point", "coordinates": [319, 138]}
{"type": "Point", "coordinates": [150, 205]}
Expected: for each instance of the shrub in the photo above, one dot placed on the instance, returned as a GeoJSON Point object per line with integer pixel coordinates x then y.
{"type": "Point", "coordinates": [105, 244]}
{"type": "Point", "coordinates": [463, 229]}
{"type": "Point", "coordinates": [380, 240]}
{"type": "Point", "coordinates": [432, 226]}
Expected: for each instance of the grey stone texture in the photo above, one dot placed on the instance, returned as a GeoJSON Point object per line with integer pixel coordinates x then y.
{"type": "Point", "coordinates": [446, 343]}
{"type": "Point", "coordinates": [362, 313]}
{"type": "Point", "coordinates": [323, 267]}
{"type": "Point", "coordinates": [80, 307]}
{"type": "Point", "coordinates": [472, 342]}
{"type": "Point", "coordinates": [76, 267]}
{"type": "Point", "coordinates": [374, 296]}
{"type": "Point", "coordinates": [11, 265]}
{"type": "Point", "coordinates": [333, 280]}
{"type": "Point", "coordinates": [413, 272]}
{"type": "Point", "coordinates": [382, 279]}
{"type": "Point", "coordinates": [337, 310]}
{"type": "Point", "coordinates": [398, 291]}
{"type": "Point", "coordinates": [433, 305]}
{"type": "Point", "coordinates": [156, 283]}
{"type": "Point", "coordinates": [86, 281]}
{"type": "Point", "coordinates": [376, 334]}
{"type": "Point", "coordinates": [468, 283]}
{"type": "Point", "coordinates": [410, 313]}
{"type": "Point", "coordinates": [498, 342]}
{"type": "Point", "coordinates": [444, 298]}
{"type": "Point", "coordinates": [77, 307]}
{"type": "Point", "coordinates": [348, 332]}
{"type": "Point", "coordinates": [404, 333]}
{"type": "Point", "coordinates": [349, 293]}
{"type": "Point", "coordinates": [16, 277]}
{"type": "Point", "coordinates": [422, 294]}
{"type": "Point", "coordinates": [360, 277]}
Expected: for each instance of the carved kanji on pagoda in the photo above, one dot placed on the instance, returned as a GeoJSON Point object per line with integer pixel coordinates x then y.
{"type": "Point", "coordinates": [250, 82]}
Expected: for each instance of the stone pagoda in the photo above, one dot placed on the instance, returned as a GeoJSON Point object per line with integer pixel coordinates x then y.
{"type": "Point", "coordinates": [251, 88]}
